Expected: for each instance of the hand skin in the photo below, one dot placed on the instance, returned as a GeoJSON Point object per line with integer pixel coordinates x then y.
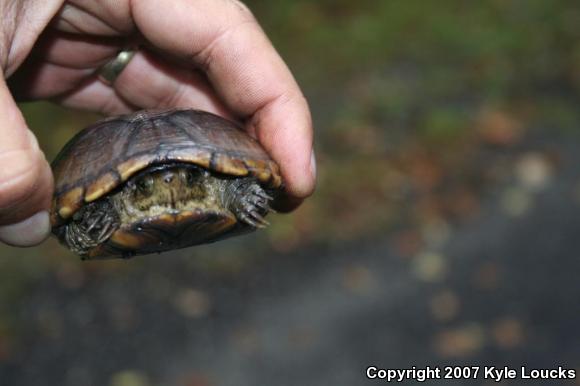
{"type": "Point", "coordinates": [220, 61]}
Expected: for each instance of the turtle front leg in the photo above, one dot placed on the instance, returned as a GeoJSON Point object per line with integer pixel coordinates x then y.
{"type": "Point", "coordinates": [248, 201]}
{"type": "Point", "coordinates": [91, 226]}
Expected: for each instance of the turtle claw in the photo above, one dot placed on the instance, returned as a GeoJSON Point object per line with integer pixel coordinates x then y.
{"type": "Point", "coordinates": [250, 203]}
{"type": "Point", "coordinates": [95, 221]}
{"type": "Point", "coordinates": [259, 219]}
{"type": "Point", "coordinates": [264, 195]}
{"type": "Point", "coordinates": [254, 219]}
{"type": "Point", "coordinates": [92, 225]}
{"type": "Point", "coordinates": [263, 205]}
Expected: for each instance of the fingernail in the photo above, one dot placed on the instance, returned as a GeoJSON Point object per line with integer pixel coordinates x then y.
{"type": "Point", "coordinates": [28, 232]}
{"type": "Point", "coordinates": [313, 164]}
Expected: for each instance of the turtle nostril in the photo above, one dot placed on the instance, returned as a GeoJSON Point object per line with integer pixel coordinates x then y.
{"type": "Point", "coordinates": [168, 178]}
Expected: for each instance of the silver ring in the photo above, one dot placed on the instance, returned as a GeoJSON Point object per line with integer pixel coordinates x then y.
{"type": "Point", "coordinates": [111, 70]}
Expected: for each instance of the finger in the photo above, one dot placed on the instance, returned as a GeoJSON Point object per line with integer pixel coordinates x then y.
{"type": "Point", "coordinates": [50, 81]}
{"type": "Point", "coordinates": [46, 80]}
{"type": "Point", "coordinates": [75, 51]}
{"type": "Point", "coordinates": [59, 63]}
{"type": "Point", "coordinates": [149, 82]}
{"type": "Point", "coordinates": [98, 97]}
{"type": "Point", "coordinates": [146, 82]}
{"type": "Point", "coordinates": [222, 37]}
{"type": "Point", "coordinates": [25, 179]}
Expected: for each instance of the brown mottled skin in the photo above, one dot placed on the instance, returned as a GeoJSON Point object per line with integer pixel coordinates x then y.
{"type": "Point", "coordinates": [155, 181]}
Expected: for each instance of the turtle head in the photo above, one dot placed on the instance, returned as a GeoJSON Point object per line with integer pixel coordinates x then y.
{"type": "Point", "coordinates": [170, 186]}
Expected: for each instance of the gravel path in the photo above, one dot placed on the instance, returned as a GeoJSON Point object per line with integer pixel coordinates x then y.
{"type": "Point", "coordinates": [501, 289]}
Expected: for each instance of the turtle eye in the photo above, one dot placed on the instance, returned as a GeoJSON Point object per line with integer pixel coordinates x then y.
{"type": "Point", "coordinates": [191, 176]}
{"type": "Point", "coordinates": [145, 185]}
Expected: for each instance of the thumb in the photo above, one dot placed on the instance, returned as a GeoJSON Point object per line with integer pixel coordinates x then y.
{"type": "Point", "coordinates": [25, 179]}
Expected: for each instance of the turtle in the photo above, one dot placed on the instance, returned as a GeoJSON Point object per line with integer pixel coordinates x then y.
{"type": "Point", "coordinates": [157, 180]}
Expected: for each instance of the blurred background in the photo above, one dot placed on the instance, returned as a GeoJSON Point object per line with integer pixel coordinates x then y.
{"type": "Point", "coordinates": [444, 230]}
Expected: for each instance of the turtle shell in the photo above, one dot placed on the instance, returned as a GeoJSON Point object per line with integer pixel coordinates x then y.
{"type": "Point", "coordinates": [104, 155]}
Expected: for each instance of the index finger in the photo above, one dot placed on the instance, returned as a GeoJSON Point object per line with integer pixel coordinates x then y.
{"type": "Point", "coordinates": [223, 38]}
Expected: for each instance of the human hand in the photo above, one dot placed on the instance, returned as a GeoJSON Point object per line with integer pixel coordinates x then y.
{"type": "Point", "coordinates": [205, 54]}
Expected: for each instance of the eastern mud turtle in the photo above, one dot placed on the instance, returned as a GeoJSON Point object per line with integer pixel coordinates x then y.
{"type": "Point", "coordinates": [154, 181]}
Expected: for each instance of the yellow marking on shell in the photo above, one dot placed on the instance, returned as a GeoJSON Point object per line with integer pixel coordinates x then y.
{"type": "Point", "coordinates": [100, 187]}
{"type": "Point", "coordinates": [65, 211]}
{"type": "Point", "coordinates": [266, 172]}
{"type": "Point", "coordinates": [130, 167]}
{"type": "Point", "coordinates": [264, 175]}
{"type": "Point", "coordinates": [228, 165]}
{"type": "Point", "coordinates": [199, 157]}
{"type": "Point", "coordinates": [69, 202]}
{"type": "Point", "coordinates": [275, 178]}
{"type": "Point", "coordinates": [255, 164]}
{"type": "Point", "coordinates": [166, 217]}
{"type": "Point", "coordinates": [127, 240]}
{"type": "Point", "coordinates": [203, 158]}
{"type": "Point", "coordinates": [183, 215]}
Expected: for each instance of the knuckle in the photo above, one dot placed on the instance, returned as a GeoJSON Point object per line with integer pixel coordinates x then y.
{"type": "Point", "coordinates": [173, 97]}
{"type": "Point", "coordinates": [219, 43]}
